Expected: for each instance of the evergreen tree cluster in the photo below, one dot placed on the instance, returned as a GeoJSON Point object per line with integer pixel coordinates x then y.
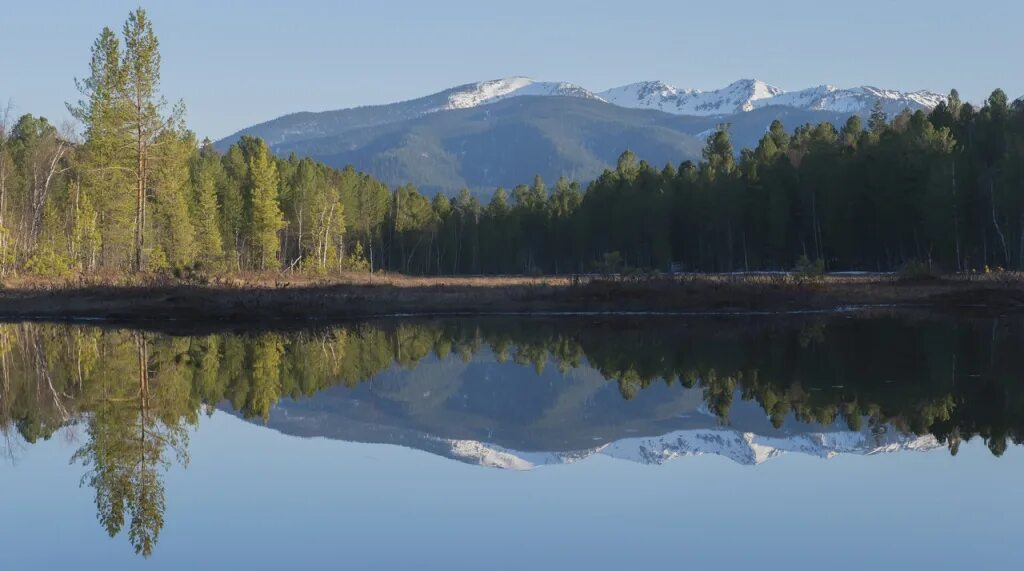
{"type": "Point", "coordinates": [139, 192]}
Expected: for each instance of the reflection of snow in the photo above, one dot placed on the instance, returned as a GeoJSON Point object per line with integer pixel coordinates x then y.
{"type": "Point", "coordinates": [741, 447]}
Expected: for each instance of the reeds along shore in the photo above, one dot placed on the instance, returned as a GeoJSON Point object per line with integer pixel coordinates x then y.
{"type": "Point", "coordinates": [246, 298]}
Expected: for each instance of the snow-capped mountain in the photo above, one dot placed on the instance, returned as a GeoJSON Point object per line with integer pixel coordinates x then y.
{"type": "Point", "coordinates": [741, 447]}
{"type": "Point", "coordinates": [749, 94]}
{"type": "Point", "coordinates": [738, 97]}
{"type": "Point", "coordinates": [486, 134]}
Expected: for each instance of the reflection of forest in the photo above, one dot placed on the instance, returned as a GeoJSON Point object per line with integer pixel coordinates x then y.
{"type": "Point", "coordinates": [135, 393]}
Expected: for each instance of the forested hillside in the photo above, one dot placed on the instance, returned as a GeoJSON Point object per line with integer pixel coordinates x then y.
{"type": "Point", "coordinates": [484, 147]}
{"type": "Point", "coordinates": [137, 192]}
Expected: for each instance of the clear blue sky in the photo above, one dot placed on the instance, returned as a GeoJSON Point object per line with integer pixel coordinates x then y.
{"type": "Point", "coordinates": [239, 63]}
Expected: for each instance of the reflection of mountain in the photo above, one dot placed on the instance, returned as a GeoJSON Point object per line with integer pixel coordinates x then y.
{"type": "Point", "coordinates": [508, 416]}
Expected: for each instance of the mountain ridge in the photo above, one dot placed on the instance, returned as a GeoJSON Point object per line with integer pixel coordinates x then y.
{"type": "Point", "coordinates": [502, 132]}
{"type": "Point", "coordinates": [748, 94]}
{"type": "Point", "coordinates": [740, 96]}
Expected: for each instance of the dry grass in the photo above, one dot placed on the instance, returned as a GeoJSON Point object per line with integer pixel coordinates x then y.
{"type": "Point", "coordinates": [283, 280]}
{"type": "Point", "coordinates": [296, 298]}
{"type": "Point", "coordinates": [274, 280]}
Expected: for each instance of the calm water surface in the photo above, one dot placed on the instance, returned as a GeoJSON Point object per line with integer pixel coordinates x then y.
{"type": "Point", "coordinates": [883, 440]}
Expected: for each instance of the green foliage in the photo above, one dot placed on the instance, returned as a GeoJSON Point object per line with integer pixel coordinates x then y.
{"type": "Point", "coordinates": [204, 209]}
{"type": "Point", "coordinates": [172, 226]}
{"type": "Point", "coordinates": [264, 214]}
{"type": "Point", "coordinates": [48, 263]}
{"type": "Point", "coordinates": [157, 261]}
{"type": "Point", "coordinates": [356, 260]}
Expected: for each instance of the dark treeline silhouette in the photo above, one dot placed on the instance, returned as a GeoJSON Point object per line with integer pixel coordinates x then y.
{"type": "Point", "coordinates": [138, 192]}
{"type": "Point", "coordinates": [941, 189]}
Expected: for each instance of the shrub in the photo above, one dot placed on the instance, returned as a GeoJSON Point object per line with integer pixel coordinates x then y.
{"type": "Point", "coordinates": [611, 263]}
{"type": "Point", "coordinates": [356, 261]}
{"type": "Point", "coordinates": [916, 270]}
{"type": "Point", "coordinates": [807, 269]}
{"type": "Point", "coordinates": [157, 260]}
{"type": "Point", "coordinates": [192, 273]}
{"type": "Point", "coordinates": [47, 263]}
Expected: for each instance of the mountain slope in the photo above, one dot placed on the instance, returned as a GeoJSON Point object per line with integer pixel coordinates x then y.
{"type": "Point", "coordinates": [310, 125]}
{"type": "Point", "coordinates": [506, 143]}
{"type": "Point", "coordinates": [502, 132]}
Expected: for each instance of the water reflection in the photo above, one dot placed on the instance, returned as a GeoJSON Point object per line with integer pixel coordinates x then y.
{"type": "Point", "coordinates": [514, 393]}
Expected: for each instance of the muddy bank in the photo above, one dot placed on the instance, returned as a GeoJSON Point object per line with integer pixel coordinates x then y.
{"type": "Point", "coordinates": [346, 301]}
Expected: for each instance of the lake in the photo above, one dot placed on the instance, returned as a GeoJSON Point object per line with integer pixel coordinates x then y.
{"type": "Point", "coordinates": [808, 441]}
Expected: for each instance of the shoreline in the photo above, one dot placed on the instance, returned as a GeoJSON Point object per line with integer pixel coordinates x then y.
{"type": "Point", "coordinates": [269, 301]}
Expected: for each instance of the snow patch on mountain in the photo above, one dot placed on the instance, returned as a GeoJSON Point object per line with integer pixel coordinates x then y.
{"type": "Point", "coordinates": [484, 92]}
{"type": "Point", "coordinates": [742, 447]}
{"type": "Point", "coordinates": [736, 97]}
{"type": "Point", "coordinates": [854, 100]}
{"type": "Point", "coordinates": [750, 94]}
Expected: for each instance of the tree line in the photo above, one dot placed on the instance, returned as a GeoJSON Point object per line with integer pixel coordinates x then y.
{"type": "Point", "coordinates": [136, 191]}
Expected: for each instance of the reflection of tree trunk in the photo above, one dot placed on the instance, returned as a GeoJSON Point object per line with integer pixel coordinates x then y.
{"type": "Point", "coordinates": [140, 341]}
{"type": "Point", "coordinates": [44, 375]}
{"type": "Point", "coordinates": [5, 394]}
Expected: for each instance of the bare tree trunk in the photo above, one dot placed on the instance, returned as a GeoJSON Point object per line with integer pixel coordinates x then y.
{"type": "Point", "coordinates": [299, 241]}
{"type": "Point", "coordinates": [995, 222]}
{"type": "Point", "coordinates": [140, 197]}
{"type": "Point", "coordinates": [956, 223]}
{"type": "Point", "coordinates": [41, 189]}
{"type": "Point", "coordinates": [74, 241]}
{"type": "Point", "coordinates": [4, 117]}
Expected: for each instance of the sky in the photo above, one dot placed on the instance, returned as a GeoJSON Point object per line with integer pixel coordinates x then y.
{"type": "Point", "coordinates": [240, 63]}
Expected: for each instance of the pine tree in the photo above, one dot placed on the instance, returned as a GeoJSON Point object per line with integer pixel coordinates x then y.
{"type": "Point", "coordinates": [205, 210]}
{"type": "Point", "coordinates": [878, 121]}
{"type": "Point", "coordinates": [145, 119]}
{"type": "Point", "coordinates": [103, 159]}
{"type": "Point", "coordinates": [720, 160]}
{"type": "Point", "coordinates": [264, 213]}
{"type": "Point", "coordinates": [173, 235]}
